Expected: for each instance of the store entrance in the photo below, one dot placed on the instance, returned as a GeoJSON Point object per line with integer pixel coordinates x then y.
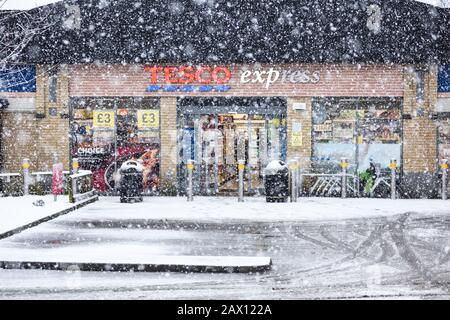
{"type": "Point", "coordinates": [216, 141]}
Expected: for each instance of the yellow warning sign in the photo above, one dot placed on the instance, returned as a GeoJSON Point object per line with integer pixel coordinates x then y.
{"type": "Point", "coordinates": [297, 139]}
{"type": "Point", "coordinates": [104, 119]}
{"type": "Point", "coordinates": [276, 122]}
{"type": "Point", "coordinates": [148, 119]}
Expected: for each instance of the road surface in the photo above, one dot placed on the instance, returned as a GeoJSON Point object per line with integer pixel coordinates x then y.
{"type": "Point", "coordinates": [402, 256]}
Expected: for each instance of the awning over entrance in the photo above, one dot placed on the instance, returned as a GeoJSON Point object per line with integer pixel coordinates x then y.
{"type": "Point", "coordinates": [216, 105]}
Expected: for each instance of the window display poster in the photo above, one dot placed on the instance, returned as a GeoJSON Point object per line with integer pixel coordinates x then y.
{"type": "Point", "coordinates": [57, 179]}
{"type": "Point", "coordinates": [104, 165]}
{"type": "Point", "coordinates": [96, 151]}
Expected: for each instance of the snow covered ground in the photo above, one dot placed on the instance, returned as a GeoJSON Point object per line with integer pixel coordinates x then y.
{"type": "Point", "coordinates": [405, 256]}
{"type": "Point", "coordinates": [19, 211]}
{"type": "Point", "coordinates": [320, 248]}
{"type": "Point", "coordinates": [217, 209]}
{"type": "Point", "coordinates": [16, 212]}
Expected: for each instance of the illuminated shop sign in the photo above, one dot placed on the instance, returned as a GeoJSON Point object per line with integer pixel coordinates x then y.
{"type": "Point", "coordinates": [272, 76]}
{"type": "Point", "coordinates": [181, 79]}
{"type": "Point", "coordinates": [217, 79]}
{"type": "Point", "coordinates": [188, 75]}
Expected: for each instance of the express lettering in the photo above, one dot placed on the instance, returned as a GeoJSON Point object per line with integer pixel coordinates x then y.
{"type": "Point", "coordinates": [187, 75]}
{"type": "Point", "coordinates": [271, 76]}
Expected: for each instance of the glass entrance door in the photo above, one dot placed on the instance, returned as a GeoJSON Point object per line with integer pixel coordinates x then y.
{"type": "Point", "coordinates": [217, 141]}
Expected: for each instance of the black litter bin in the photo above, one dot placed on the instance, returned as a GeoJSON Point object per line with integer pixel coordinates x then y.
{"type": "Point", "coordinates": [277, 182]}
{"type": "Point", "coordinates": [131, 181]}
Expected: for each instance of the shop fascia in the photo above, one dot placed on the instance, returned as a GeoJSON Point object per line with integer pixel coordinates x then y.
{"type": "Point", "coordinates": [218, 78]}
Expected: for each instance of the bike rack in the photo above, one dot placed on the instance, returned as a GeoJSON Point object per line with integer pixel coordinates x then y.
{"type": "Point", "coordinates": [326, 184]}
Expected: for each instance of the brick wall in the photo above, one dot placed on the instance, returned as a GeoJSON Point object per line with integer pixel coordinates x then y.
{"type": "Point", "coordinates": [419, 132]}
{"type": "Point", "coordinates": [304, 118]}
{"type": "Point", "coordinates": [419, 145]}
{"type": "Point", "coordinates": [52, 130]}
{"type": "Point", "coordinates": [168, 129]}
{"type": "Point", "coordinates": [432, 87]}
{"type": "Point", "coordinates": [19, 132]}
{"type": "Point", "coordinates": [19, 140]}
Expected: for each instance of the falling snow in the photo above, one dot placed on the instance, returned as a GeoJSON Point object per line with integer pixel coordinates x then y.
{"type": "Point", "coordinates": [222, 149]}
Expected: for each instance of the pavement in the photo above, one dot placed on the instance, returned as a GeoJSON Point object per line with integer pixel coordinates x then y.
{"type": "Point", "coordinates": [256, 209]}
{"type": "Point", "coordinates": [21, 213]}
{"type": "Point", "coordinates": [389, 256]}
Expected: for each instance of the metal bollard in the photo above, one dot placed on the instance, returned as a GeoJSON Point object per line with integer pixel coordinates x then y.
{"type": "Point", "coordinates": [241, 168]}
{"type": "Point", "coordinates": [297, 176]}
{"type": "Point", "coordinates": [75, 165]}
{"type": "Point", "coordinates": [393, 166]}
{"type": "Point", "coordinates": [300, 182]}
{"type": "Point", "coordinates": [293, 170]}
{"type": "Point", "coordinates": [26, 176]}
{"type": "Point", "coordinates": [190, 187]}
{"type": "Point", "coordinates": [344, 166]}
{"type": "Point", "coordinates": [444, 167]}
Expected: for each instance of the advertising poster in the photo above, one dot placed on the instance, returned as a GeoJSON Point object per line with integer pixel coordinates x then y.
{"type": "Point", "coordinates": [57, 179]}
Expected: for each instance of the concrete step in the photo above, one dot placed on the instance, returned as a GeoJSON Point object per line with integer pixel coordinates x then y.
{"type": "Point", "coordinates": [186, 264]}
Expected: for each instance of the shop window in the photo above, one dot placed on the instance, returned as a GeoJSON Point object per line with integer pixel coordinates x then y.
{"type": "Point", "coordinates": [363, 132]}
{"type": "Point", "coordinates": [444, 78]}
{"type": "Point", "coordinates": [52, 86]}
{"type": "Point", "coordinates": [110, 131]}
{"type": "Point", "coordinates": [444, 139]}
{"type": "Point", "coordinates": [420, 86]}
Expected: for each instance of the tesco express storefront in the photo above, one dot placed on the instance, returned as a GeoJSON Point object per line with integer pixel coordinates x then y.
{"type": "Point", "coordinates": [219, 114]}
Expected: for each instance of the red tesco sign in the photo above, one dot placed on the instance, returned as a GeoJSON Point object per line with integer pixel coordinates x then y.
{"type": "Point", "coordinates": [187, 75]}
